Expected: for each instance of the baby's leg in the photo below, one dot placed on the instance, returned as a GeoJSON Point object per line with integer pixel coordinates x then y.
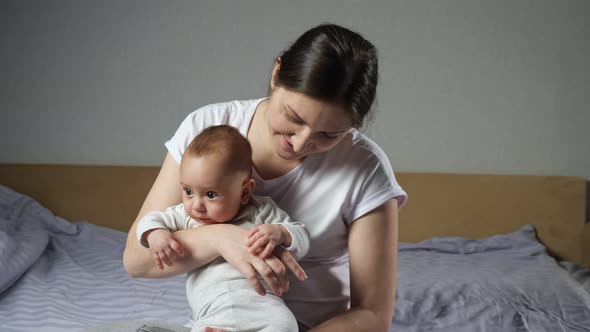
{"type": "Point", "coordinates": [267, 313]}
{"type": "Point", "coordinates": [245, 310]}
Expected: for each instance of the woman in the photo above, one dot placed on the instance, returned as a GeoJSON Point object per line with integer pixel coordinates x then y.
{"type": "Point", "coordinates": [309, 157]}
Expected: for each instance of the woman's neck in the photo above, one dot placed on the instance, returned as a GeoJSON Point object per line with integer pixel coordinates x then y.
{"type": "Point", "coordinates": [267, 163]}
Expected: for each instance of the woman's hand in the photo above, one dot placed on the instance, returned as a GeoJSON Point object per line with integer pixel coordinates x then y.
{"type": "Point", "coordinates": [232, 247]}
{"type": "Point", "coordinates": [138, 261]}
{"type": "Point", "coordinates": [203, 244]}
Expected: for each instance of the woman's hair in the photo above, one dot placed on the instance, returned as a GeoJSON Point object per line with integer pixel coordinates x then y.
{"type": "Point", "coordinates": [333, 64]}
{"type": "Point", "coordinates": [226, 140]}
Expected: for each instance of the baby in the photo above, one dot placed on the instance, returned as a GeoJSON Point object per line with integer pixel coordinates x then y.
{"type": "Point", "coordinates": [215, 176]}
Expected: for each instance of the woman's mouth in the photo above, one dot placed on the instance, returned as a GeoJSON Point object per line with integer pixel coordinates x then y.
{"type": "Point", "coordinates": [286, 145]}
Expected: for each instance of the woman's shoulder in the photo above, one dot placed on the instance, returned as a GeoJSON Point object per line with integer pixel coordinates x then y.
{"type": "Point", "coordinates": [371, 170]}
{"type": "Point", "coordinates": [221, 111]}
{"type": "Point", "coordinates": [236, 113]}
{"type": "Point", "coordinates": [358, 148]}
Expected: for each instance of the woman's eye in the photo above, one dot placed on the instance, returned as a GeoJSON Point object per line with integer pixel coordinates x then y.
{"type": "Point", "coordinates": [328, 136]}
{"type": "Point", "coordinates": [188, 192]}
{"type": "Point", "coordinates": [211, 194]}
{"type": "Point", "coordinates": [295, 119]}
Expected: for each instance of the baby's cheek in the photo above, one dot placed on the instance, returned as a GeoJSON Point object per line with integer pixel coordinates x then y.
{"type": "Point", "coordinates": [223, 214]}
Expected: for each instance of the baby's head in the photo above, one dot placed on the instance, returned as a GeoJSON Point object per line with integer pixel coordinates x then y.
{"type": "Point", "coordinates": [215, 175]}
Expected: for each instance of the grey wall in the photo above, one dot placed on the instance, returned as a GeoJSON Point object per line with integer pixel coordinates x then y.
{"type": "Point", "coordinates": [466, 86]}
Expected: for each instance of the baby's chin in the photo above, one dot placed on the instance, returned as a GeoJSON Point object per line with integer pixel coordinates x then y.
{"type": "Point", "coordinates": [208, 221]}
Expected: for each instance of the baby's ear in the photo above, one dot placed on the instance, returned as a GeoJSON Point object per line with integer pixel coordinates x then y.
{"type": "Point", "coordinates": [247, 190]}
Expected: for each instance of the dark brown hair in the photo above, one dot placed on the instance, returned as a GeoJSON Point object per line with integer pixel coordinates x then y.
{"type": "Point", "coordinates": [224, 140]}
{"type": "Point", "coordinates": [334, 64]}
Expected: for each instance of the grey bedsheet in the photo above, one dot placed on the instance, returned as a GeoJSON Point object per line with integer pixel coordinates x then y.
{"type": "Point", "coordinates": [62, 276]}
{"type": "Point", "coordinates": [579, 272]}
{"type": "Point", "coordinates": [501, 283]}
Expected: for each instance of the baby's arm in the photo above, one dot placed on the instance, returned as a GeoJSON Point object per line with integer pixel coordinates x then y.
{"type": "Point", "coordinates": [154, 231]}
{"type": "Point", "coordinates": [278, 229]}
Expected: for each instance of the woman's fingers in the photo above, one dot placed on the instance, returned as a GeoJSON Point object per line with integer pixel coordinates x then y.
{"type": "Point", "coordinates": [251, 266]}
{"type": "Point", "coordinates": [289, 261]}
{"type": "Point", "coordinates": [270, 277]}
{"type": "Point", "coordinates": [280, 272]}
{"type": "Point", "coordinates": [252, 277]}
{"type": "Point", "coordinates": [268, 249]}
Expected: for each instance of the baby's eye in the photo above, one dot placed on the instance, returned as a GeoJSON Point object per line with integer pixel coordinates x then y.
{"type": "Point", "coordinates": [188, 192]}
{"type": "Point", "coordinates": [211, 194]}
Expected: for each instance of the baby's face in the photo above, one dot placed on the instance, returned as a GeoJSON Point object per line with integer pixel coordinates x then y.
{"type": "Point", "coordinates": [209, 194]}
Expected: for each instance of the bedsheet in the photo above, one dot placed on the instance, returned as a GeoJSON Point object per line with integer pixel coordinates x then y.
{"type": "Point", "coordinates": [56, 275]}
{"type": "Point", "coordinates": [61, 276]}
{"type": "Point", "coordinates": [501, 283]}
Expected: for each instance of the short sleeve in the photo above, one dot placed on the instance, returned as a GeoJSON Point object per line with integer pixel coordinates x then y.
{"type": "Point", "coordinates": [237, 113]}
{"type": "Point", "coordinates": [194, 123]}
{"type": "Point", "coordinates": [375, 185]}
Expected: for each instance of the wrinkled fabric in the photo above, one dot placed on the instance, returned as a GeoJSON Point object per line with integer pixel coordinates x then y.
{"type": "Point", "coordinates": [62, 276]}
{"type": "Point", "coordinates": [501, 283]}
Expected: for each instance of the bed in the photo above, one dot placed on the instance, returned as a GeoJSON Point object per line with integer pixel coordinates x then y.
{"type": "Point", "coordinates": [477, 252]}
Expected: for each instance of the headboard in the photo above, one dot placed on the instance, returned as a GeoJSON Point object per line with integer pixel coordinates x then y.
{"type": "Point", "coordinates": [471, 205]}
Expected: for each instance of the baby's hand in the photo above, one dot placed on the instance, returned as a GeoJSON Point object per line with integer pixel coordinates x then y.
{"type": "Point", "coordinates": [164, 247]}
{"type": "Point", "coordinates": [263, 239]}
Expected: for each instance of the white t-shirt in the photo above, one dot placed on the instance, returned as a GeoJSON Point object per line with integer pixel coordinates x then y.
{"type": "Point", "coordinates": [326, 192]}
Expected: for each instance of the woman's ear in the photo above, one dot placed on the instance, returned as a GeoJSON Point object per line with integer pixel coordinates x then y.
{"type": "Point", "coordinates": [275, 72]}
{"type": "Point", "coordinates": [247, 190]}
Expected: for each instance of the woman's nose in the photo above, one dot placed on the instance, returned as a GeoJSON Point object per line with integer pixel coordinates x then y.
{"type": "Point", "coordinates": [301, 140]}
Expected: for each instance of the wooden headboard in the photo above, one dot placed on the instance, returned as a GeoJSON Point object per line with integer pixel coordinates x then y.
{"type": "Point", "coordinates": [439, 204]}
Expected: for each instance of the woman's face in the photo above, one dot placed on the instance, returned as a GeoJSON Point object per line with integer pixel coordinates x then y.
{"type": "Point", "coordinates": [300, 125]}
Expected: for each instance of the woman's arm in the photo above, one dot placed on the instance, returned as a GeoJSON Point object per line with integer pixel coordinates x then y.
{"type": "Point", "coordinates": [164, 193]}
{"type": "Point", "coordinates": [372, 246]}
{"type": "Point", "coordinates": [203, 244]}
